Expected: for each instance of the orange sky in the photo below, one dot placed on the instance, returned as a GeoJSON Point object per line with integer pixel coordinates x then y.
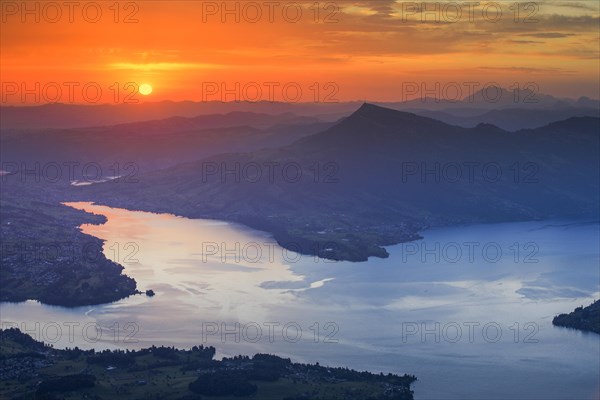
{"type": "Point", "coordinates": [351, 50]}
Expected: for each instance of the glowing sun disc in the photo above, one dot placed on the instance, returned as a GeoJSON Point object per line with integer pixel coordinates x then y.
{"type": "Point", "coordinates": [145, 89]}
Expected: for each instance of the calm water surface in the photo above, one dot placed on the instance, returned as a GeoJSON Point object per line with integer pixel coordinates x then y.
{"type": "Point", "coordinates": [467, 309]}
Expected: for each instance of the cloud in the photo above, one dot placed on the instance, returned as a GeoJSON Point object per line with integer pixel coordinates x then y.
{"type": "Point", "coordinates": [529, 70]}
{"type": "Point", "coordinates": [577, 5]}
{"type": "Point", "coordinates": [162, 66]}
{"type": "Point", "coordinates": [526, 42]}
{"type": "Point", "coordinates": [549, 35]}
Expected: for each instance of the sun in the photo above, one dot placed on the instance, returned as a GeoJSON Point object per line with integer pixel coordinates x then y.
{"type": "Point", "coordinates": [145, 89]}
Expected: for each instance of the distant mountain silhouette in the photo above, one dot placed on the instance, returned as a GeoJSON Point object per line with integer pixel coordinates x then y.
{"type": "Point", "coordinates": [379, 176]}
{"type": "Point", "coordinates": [158, 143]}
{"type": "Point", "coordinates": [88, 115]}
{"type": "Point", "coordinates": [513, 119]}
{"type": "Point", "coordinates": [473, 108]}
{"type": "Point", "coordinates": [493, 97]}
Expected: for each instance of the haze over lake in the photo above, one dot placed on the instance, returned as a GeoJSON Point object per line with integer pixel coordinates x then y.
{"type": "Point", "coordinates": [466, 309]}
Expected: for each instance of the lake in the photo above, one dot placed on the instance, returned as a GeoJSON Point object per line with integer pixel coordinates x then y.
{"type": "Point", "coordinates": [467, 310]}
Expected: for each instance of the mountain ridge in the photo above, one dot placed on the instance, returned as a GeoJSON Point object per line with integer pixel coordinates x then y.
{"type": "Point", "coordinates": [365, 182]}
{"type": "Point", "coordinates": [70, 115]}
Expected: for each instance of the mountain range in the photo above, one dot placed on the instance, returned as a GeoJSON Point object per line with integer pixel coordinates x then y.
{"type": "Point", "coordinates": [506, 108]}
{"type": "Point", "coordinates": [154, 144]}
{"type": "Point", "coordinates": [379, 177]}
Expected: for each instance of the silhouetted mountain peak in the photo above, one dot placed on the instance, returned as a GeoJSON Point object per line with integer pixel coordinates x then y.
{"type": "Point", "coordinates": [369, 110]}
{"type": "Point", "coordinates": [372, 125]}
{"type": "Point", "coordinates": [385, 116]}
{"type": "Point", "coordinates": [488, 128]}
{"type": "Point", "coordinates": [368, 106]}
